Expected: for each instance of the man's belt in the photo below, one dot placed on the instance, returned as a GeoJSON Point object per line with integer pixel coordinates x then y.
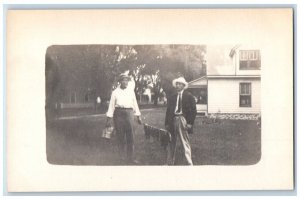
{"type": "Point", "coordinates": [123, 108]}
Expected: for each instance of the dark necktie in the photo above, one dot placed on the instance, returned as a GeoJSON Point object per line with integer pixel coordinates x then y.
{"type": "Point", "coordinates": [179, 104]}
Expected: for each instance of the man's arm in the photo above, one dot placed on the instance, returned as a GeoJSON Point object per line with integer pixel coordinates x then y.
{"type": "Point", "coordinates": [111, 109]}
{"type": "Point", "coordinates": [135, 106]}
{"type": "Point", "coordinates": [136, 109]}
{"type": "Point", "coordinates": [168, 114]}
{"type": "Point", "coordinates": [193, 110]}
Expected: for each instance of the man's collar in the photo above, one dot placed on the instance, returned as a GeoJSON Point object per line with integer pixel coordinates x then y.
{"type": "Point", "coordinates": [123, 88]}
{"type": "Point", "coordinates": [180, 92]}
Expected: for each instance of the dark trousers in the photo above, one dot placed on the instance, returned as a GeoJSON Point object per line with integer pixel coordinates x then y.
{"type": "Point", "coordinates": [123, 121]}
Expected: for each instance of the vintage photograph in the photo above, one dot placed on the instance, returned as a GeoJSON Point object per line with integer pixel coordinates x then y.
{"type": "Point", "coordinates": [150, 99]}
{"type": "Point", "coordinates": [153, 104]}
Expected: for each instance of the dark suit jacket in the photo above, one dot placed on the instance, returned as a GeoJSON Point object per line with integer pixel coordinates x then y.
{"type": "Point", "coordinates": [188, 108]}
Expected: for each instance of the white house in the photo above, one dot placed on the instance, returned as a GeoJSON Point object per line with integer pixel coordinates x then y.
{"type": "Point", "coordinates": [232, 83]}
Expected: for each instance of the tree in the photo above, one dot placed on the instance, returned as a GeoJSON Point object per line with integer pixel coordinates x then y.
{"type": "Point", "coordinates": [162, 63]}
{"type": "Point", "coordinates": [98, 66]}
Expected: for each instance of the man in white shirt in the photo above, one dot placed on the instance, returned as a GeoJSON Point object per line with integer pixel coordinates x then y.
{"type": "Point", "coordinates": [122, 109]}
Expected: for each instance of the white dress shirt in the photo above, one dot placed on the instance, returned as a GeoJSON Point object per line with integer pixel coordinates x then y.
{"type": "Point", "coordinates": [123, 98]}
{"type": "Point", "coordinates": [179, 93]}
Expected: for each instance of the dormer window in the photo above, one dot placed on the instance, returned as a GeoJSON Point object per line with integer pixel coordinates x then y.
{"type": "Point", "coordinates": [250, 60]}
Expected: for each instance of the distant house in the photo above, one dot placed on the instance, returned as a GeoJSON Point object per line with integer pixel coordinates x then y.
{"type": "Point", "coordinates": [232, 83]}
{"type": "Point", "coordinates": [80, 97]}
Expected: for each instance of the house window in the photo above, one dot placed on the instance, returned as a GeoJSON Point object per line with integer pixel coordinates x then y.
{"type": "Point", "coordinates": [245, 94]}
{"type": "Point", "coordinates": [202, 98]}
{"type": "Point", "coordinates": [73, 97]}
{"type": "Point", "coordinates": [200, 95]}
{"type": "Point", "coordinates": [250, 60]}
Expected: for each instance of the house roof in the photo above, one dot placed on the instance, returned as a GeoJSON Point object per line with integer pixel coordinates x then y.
{"type": "Point", "coordinates": [223, 60]}
{"type": "Point", "coordinates": [232, 76]}
{"type": "Point", "coordinates": [198, 79]}
{"type": "Point", "coordinates": [223, 76]}
{"type": "Point", "coordinates": [202, 81]}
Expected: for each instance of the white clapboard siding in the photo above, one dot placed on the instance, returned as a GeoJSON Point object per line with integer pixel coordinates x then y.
{"type": "Point", "coordinates": [223, 96]}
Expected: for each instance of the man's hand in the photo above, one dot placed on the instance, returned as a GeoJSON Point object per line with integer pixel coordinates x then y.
{"type": "Point", "coordinates": [109, 122]}
{"type": "Point", "coordinates": [139, 120]}
{"type": "Point", "coordinates": [189, 126]}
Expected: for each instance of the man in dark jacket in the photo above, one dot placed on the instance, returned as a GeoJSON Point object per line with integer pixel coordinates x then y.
{"type": "Point", "coordinates": [180, 117]}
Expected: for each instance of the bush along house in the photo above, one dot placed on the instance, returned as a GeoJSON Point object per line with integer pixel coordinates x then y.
{"type": "Point", "coordinates": [231, 88]}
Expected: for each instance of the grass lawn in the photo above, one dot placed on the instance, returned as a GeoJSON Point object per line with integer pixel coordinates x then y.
{"type": "Point", "coordinates": [78, 142]}
{"type": "Point", "coordinates": [101, 110]}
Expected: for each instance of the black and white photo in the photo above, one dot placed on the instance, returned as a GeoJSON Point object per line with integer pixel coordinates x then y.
{"type": "Point", "coordinates": [149, 99]}
{"type": "Point", "coordinates": [220, 105]}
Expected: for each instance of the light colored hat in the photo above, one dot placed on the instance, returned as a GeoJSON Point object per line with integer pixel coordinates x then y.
{"type": "Point", "coordinates": [180, 80]}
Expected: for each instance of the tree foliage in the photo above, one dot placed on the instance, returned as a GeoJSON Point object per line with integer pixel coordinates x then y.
{"type": "Point", "coordinates": [98, 66]}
